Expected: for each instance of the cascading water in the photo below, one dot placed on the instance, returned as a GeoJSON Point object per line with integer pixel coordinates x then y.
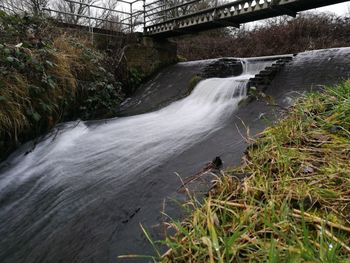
{"type": "Point", "coordinates": [81, 165]}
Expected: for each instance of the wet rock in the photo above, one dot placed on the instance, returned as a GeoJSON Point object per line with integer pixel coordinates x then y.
{"type": "Point", "coordinates": [217, 162]}
{"type": "Point", "coordinates": [308, 169]}
{"type": "Point", "coordinates": [201, 182]}
{"type": "Point", "coordinates": [222, 68]}
{"type": "Point", "coordinates": [334, 129]}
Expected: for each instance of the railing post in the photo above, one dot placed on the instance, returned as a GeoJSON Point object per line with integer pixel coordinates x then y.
{"type": "Point", "coordinates": [163, 3]}
{"type": "Point", "coordinates": [91, 30]}
{"type": "Point", "coordinates": [176, 13]}
{"type": "Point", "coordinates": [131, 29]}
{"type": "Point", "coordinates": [144, 16]}
{"type": "Point", "coordinates": [215, 10]}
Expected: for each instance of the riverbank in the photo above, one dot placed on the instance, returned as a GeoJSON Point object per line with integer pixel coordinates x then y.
{"type": "Point", "coordinates": [48, 76]}
{"type": "Point", "coordinates": [84, 190]}
{"type": "Point", "coordinates": [294, 203]}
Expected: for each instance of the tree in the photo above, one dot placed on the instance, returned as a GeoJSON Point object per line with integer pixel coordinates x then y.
{"type": "Point", "coordinates": [77, 12]}
{"type": "Point", "coordinates": [168, 9]}
{"type": "Point", "coordinates": [29, 6]}
{"type": "Point", "coordinates": [73, 12]}
{"type": "Point", "coordinates": [35, 6]}
{"type": "Point", "coordinates": [113, 23]}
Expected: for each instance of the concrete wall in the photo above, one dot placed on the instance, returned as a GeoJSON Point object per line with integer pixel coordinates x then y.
{"type": "Point", "coordinates": [148, 55]}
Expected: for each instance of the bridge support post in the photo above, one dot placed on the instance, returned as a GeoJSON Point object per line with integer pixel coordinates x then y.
{"type": "Point", "coordinates": [148, 55]}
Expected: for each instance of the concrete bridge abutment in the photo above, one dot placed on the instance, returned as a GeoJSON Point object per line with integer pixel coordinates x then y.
{"type": "Point", "coordinates": [147, 55]}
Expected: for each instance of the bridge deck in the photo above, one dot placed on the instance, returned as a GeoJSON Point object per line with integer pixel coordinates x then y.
{"type": "Point", "coordinates": [231, 14]}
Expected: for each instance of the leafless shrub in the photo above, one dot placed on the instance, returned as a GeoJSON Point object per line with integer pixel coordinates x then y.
{"type": "Point", "coordinates": [78, 11]}
{"type": "Point", "coordinates": [276, 36]}
{"type": "Point", "coordinates": [21, 6]}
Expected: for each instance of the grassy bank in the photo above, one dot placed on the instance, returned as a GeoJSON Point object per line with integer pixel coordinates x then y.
{"type": "Point", "coordinates": [294, 203]}
{"type": "Point", "coordinates": [47, 76]}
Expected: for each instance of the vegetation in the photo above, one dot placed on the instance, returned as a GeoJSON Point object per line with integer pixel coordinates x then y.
{"type": "Point", "coordinates": [293, 204]}
{"type": "Point", "coordinates": [193, 83]}
{"type": "Point", "coordinates": [46, 78]}
{"type": "Point", "coordinates": [282, 35]}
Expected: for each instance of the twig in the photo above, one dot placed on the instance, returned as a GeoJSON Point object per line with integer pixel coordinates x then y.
{"type": "Point", "coordinates": [329, 234]}
{"type": "Point", "coordinates": [297, 213]}
{"type": "Point", "coordinates": [247, 139]}
{"type": "Point", "coordinates": [238, 205]}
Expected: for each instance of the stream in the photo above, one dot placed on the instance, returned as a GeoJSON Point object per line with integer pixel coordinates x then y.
{"type": "Point", "coordinates": [81, 193]}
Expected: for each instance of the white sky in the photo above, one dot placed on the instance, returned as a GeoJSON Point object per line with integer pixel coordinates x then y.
{"type": "Point", "coordinates": [339, 9]}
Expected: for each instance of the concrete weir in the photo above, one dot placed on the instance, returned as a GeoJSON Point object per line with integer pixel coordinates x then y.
{"type": "Point", "coordinates": [308, 71]}
{"type": "Point", "coordinates": [82, 193]}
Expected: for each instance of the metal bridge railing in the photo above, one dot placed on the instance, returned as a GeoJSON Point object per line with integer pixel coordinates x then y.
{"type": "Point", "coordinates": [161, 10]}
{"type": "Point", "coordinates": [119, 19]}
{"type": "Point", "coordinates": [176, 16]}
{"type": "Point", "coordinates": [160, 16]}
{"type": "Point", "coordinates": [131, 15]}
{"type": "Point", "coordinates": [125, 17]}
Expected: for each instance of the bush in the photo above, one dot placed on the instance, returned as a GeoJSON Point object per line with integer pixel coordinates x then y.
{"type": "Point", "coordinates": [281, 35]}
{"type": "Point", "coordinates": [47, 78]}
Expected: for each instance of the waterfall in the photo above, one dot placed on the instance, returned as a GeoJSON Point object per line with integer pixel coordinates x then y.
{"type": "Point", "coordinates": [81, 163]}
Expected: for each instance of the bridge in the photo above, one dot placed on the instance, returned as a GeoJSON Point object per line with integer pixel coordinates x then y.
{"type": "Point", "coordinates": [172, 21]}
{"type": "Point", "coordinates": [170, 18]}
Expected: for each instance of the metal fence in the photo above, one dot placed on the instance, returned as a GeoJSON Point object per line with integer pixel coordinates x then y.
{"type": "Point", "coordinates": [129, 16]}
{"type": "Point", "coordinates": [116, 19]}
{"type": "Point", "coordinates": [160, 11]}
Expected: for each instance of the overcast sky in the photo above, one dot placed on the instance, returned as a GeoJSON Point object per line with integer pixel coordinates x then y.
{"type": "Point", "coordinates": [339, 9]}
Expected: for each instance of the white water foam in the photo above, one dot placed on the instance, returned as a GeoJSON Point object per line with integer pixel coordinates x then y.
{"type": "Point", "coordinates": [84, 165]}
{"type": "Point", "coordinates": [130, 145]}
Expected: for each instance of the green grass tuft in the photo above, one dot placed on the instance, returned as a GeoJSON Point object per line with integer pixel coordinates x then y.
{"type": "Point", "coordinates": [193, 83]}
{"type": "Point", "coordinates": [294, 206]}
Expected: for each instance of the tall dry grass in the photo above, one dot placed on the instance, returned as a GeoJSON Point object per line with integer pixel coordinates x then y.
{"type": "Point", "coordinates": [46, 78]}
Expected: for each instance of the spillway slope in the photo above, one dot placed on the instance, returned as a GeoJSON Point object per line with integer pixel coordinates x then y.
{"type": "Point", "coordinates": [82, 192]}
